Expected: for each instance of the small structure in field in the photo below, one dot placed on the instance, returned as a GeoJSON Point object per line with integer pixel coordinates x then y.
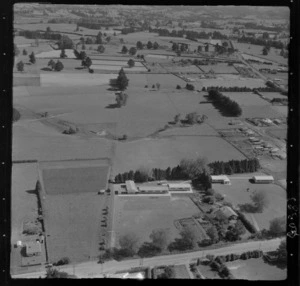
{"type": "Point", "coordinates": [220, 179]}
{"type": "Point", "coordinates": [263, 179]}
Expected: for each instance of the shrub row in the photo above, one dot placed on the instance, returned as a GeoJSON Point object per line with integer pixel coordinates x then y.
{"type": "Point", "coordinates": [248, 225]}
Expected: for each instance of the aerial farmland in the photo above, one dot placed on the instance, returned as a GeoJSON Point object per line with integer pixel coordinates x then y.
{"type": "Point", "coordinates": [122, 118]}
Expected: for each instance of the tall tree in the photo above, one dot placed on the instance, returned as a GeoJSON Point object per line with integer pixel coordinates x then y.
{"type": "Point", "coordinates": [124, 50]}
{"type": "Point", "coordinates": [139, 45]}
{"type": "Point", "coordinates": [32, 58]}
{"type": "Point", "coordinates": [20, 66]}
{"type": "Point", "coordinates": [122, 80]}
{"type": "Point", "coordinates": [149, 45]}
{"type": "Point", "coordinates": [131, 63]}
{"type": "Point", "coordinates": [260, 200]}
{"type": "Point", "coordinates": [132, 51]}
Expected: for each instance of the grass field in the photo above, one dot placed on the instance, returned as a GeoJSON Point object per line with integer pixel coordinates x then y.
{"type": "Point", "coordinates": [71, 79]}
{"type": "Point", "coordinates": [237, 193]}
{"type": "Point", "coordinates": [165, 152]}
{"type": "Point", "coordinates": [24, 204]}
{"type": "Point", "coordinates": [246, 98]}
{"type": "Point", "coordinates": [72, 223]}
{"type": "Point", "coordinates": [65, 180]}
{"type": "Point", "coordinates": [55, 54]}
{"type": "Point", "coordinates": [141, 215]}
{"type": "Point", "coordinates": [256, 50]}
{"type": "Point", "coordinates": [219, 68]}
{"type": "Point", "coordinates": [255, 269]}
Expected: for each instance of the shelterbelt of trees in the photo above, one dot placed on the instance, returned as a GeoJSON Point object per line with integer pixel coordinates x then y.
{"type": "Point", "coordinates": [195, 170]}
{"type": "Point", "coordinates": [226, 106]}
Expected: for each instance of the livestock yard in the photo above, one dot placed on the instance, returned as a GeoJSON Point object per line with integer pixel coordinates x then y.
{"type": "Point", "coordinates": [139, 99]}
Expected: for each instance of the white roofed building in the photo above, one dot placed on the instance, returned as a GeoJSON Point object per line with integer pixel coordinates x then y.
{"type": "Point", "coordinates": [131, 187]}
{"type": "Point", "coordinates": [263, 179]}
{"type": "Point", "coordinates": [220, 179]}
{"type": "Point", "coordinates": [179, 187]}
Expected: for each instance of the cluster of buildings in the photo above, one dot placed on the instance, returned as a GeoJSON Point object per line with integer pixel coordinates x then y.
{"type": "Point", "coordinates": [159, 189]}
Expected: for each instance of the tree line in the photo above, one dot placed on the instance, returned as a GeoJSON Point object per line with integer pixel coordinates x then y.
{"type": "Point", "coordinates": [261, 42]}
{"type": "Point", "coordinates": [188, 33]}
{"type": "Point", "coordinates": [224, 103]}
{"type": "Point", "coordinates": [40, 35]}
{"type": "Point", "coordinates": [234, 166]}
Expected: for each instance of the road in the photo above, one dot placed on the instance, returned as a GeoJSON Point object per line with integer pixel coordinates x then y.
{"type": "Point", "coordinates": [93, 269]}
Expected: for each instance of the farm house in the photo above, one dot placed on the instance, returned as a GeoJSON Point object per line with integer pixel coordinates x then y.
{"type": "Point", "coordinates": [263, 179]}
{"type": "Point", "coordinates": [220, 179]}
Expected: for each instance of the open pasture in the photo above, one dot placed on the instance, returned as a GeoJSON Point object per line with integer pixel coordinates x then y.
{"type": "Point", "coordinates": [167, 81]}
{"type": "Point", "coordinates": [117, 68]}
{"type": "Point", "coordinates": [181, 69]}
{"type": "Point", "coordinates": [55, 54]}
{"type": "Point", "coordinates": [256, 51]}
{"type": "Point", "coordinates": [75, 79]}
{"type": "Point", "coordinates": [24, 205]}
{"type": "Point", "coordinates": [166, 152]}
{"type": "Point", "coordinates": [115, 63]}
{"type": "Point", "coordinates": [255, 269]}
{"type": "Point", "coordinates": [229, 82]}
{"type": "Point", "coordinates": [219, 68]}
{"type": "Point", "coordinates": [66, 180]}
{"type": "Point", "coordinates": [246, 98]}
{"type": "Point", "coordinates": [237, 193]}
{"type": "Point", "coordinates": [141, 215]}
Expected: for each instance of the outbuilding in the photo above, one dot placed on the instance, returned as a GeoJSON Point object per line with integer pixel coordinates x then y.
{"type": "Point", "coordinates": [180, 187]}
{"type": "Point", "coordinates": [220, 179]}
{"type": "Point", "coordinates": [131, 187]}
{"type": "Point", "coordinates": [263, 179]}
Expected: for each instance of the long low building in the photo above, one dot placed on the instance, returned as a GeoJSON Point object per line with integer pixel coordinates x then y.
{"type": "Point", "coordinates": [220, 179]}
{"type": "Point", "coordinates": [179, 187]}
{"type": "Point", "coordinates": [263, 179]}
{"type": "Point", "coordinates": [149, 189]}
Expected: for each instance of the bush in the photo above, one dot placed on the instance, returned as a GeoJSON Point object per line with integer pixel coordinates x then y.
{"type": "Point", "coordinates": [190, 86]}
{"type": "Point", "coordinates": [178, 86]}
{"type": "Point", "coordinates": [146, 86]}
{"type": "Point", "coordinates": [91, 71]}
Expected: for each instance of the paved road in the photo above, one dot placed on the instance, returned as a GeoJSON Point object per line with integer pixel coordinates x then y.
{"type": "Point", "coordinates": [93, 269]}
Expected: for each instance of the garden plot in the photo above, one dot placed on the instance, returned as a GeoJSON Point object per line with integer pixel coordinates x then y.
{"type": "Point", "coordinates": [56, 54]}
{"type": "Point", "coordinates": [219, 68]}
{"type": "Point", "coordinates": [255, 269]}
{"type": "Point", "coordinates": [166, 152]}
{"type": "Point", "coordinates": [68, 180]}
{"type": "Point", "coordinates": [141, 215]}
{"type": "Point", "coordinates": [72, 79]}
{"type": "Point", "coordinates": [246, 98]}
{"type": "Point", "coordinates": [72, 224]}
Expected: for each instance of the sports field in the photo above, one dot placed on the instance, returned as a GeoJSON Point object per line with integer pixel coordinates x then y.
{"type": "Point", "coordinates": [141, 215]}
